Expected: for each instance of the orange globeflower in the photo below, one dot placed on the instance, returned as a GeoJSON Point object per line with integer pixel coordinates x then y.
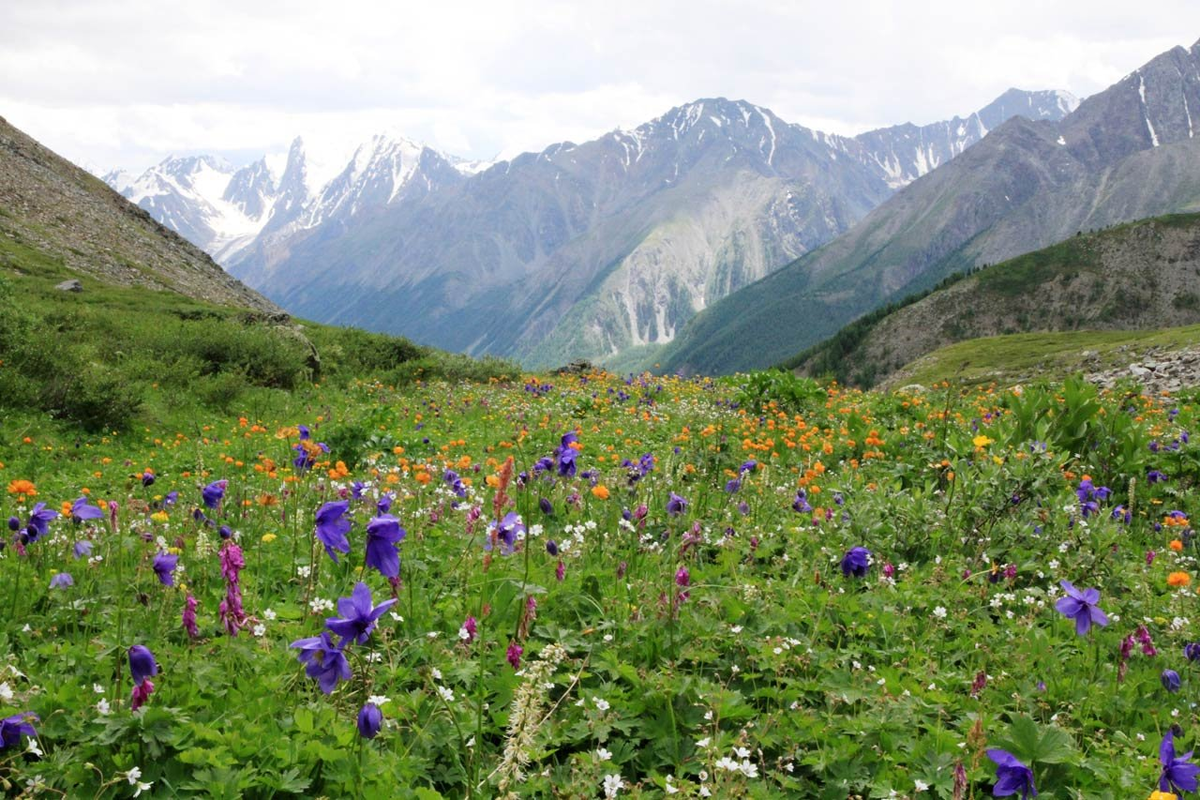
{"type": "Point", "coordinates": [1179, 579]}
{"type": "Point", "coordinates": [22, 487]}
{"type": "Point", "coordinates": [1176, 545]}
{"type": "Point", "coordinates": [600, 491]}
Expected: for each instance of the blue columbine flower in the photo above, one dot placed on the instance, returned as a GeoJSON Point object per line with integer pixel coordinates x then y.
{"type": "Point", "coordinates": [141, 663]}
{"type": "Point", "coordinates": [1011, 775]}
{"type": "Point", "coordinates": [323, 661]}
{"type": "Point", "coordinates": [14, 727]}
{"type": "Point", "coordinates": [370, 720]}
{"type": "Point", "coordinates": [83, 549]}
{"type": "Point", "coordinates": [856, 562]}
{"type": "Point", "coordinates": [676, 505]}
{"type": "Point", "coordinates": [39, 522]}
{"type": "Point", "coordinates": [800, 505]}
{"type": "Point", "coordinates": [332, 527]}
{"type": "Point", "coordinates": [1177, 774]}
{"type": "Point", "coordinates": [1081, 607]}
{"type": "Point", "coordinates": [358, 615]}
{"type": "Point", "coordinates": [1170, 680]}
{"type": "Point", "coordinates": [62, 580]}
{"type": "Point", "coordinates": [506, 533]}
{"type": "Point", "coordinates": [164, 568]}
{"type": "Point", "coordinates": [383, 534]}
{"type": "Point", "coordinates": [214, 493]}
{"type": "Point", "coordinates": [80, 510]}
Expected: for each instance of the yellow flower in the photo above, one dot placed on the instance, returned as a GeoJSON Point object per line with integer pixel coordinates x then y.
{"type": "Point", "coordinates": [982, 441]}
{"type": "Point", "coordinates": [159, 516]}
{"type": "Point", "coordinates": [1162, 796]}
{"type": "Point", "coordinates": [268, 538]}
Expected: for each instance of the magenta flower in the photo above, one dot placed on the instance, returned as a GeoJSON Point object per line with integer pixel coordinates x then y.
{"type": "Point", "coordinates": [513, 655]}
{"type": "Point", "coordinates": [189, 617]}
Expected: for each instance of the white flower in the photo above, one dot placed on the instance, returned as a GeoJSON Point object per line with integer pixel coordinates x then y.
{"type": "Point", "coordinates": [133, 775]}
{"type": "Point", "coordinates": [940, 612]}
{"type": "Point", "coordinates": [602, 704]}
{"type": "Point", "coordinates": [6, 692]}
{"type": "Point", "coordinates": [32, 746]}
{"type": "Point", "coordinates": [259, 630]}
{"type": "Point", "coordinates": [749, 769]}
{"type": "Point", "coordinates": [142, 787]}
{"type": "Point", "coordinates": [671, 789]}
{"type": "Point", "coordinates": [97, 688]}
{"type": "Point", "coordinates": [921, 786]}
{"type": "Point", "coordinates": [379, 700]}
{"type": "Point", "coordinates": [741, 752]}
{"type": "Point", "coordinates": [603, 754]}
{"type": "Point", "coordinates": [436, 673]}
{"type": "Point", "coordinates": [303, 571]}
{"type": "Point", "coordinates": [612, 785]}
{"type": "Point", "coordinates": [446, 694]}
{"type": "Point", "coordinates": [703, 743]}
{"type": "Point", "coordinates": [103, 707]}
{"type": "Point", "coordinates": [269, 615]}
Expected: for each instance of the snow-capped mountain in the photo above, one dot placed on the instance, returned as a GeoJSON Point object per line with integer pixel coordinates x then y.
{"type": "Point", "coordinates": [224, 210]}
{"type": "Point", "coordinates": [580, 250]}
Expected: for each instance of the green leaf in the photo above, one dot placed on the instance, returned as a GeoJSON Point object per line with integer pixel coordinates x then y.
{"type": "Point", "coordinates": [304, 720]}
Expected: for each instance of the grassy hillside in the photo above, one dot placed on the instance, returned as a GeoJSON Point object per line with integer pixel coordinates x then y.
{"type": "Point", "coordinates": [1138, 276]}
{"type": "Point", "coordinates": [112, 355]}
{"type": "Point", "coordinates": [1023, 357]}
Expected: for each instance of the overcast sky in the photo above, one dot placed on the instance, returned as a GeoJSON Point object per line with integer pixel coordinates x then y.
{"type": "Point", "coordinates": [124, 83]}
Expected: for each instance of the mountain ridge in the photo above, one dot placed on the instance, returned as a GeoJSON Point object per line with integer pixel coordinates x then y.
{"type": "Point", "coordinates": [1026, 185]}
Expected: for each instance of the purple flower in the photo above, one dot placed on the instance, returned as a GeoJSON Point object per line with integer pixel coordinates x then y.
{"type": "Point", "coordinates": [552, 547]}
{"type": "Point", "coordinates": [80, 510]}
{"type": "Point", "coordinates": [800, 505]}
{"type": "Point", "coordinates": [214, 493]}
{"type": "Point", "coordinates": [1191, 651]}
{"type": "Point", "coordinates": [356, 490]}
{"type": "Point", "coordinates": [83, 549]}
{"type": "Point", "coordinates": [370, 720]}
{"type": "Point", "coordinates": [324, 662]}
{"type": "Point", "coordinates": [682, 577]}
{"type": "Point", "coordinates": [383, 533]}
{"type": "Point", "coordinates": [1177, 773]}
{"type": "Point", "coordinates": [1011, 775]}
{"type": "Point", "coordinates": [513, 654]}
{"type": "Point", "coordinates": [1081, 607]}
{"type": "Point", "coordinates": [506, 533]}
{"type": "Point", "coordinates": [676, 505]}
{"type": "Point", "coordinates": [856, 562]}
{"type": "Point", "coordinates": [332, 528]}
{"type": "Point", "coordinates": [141, 663]}
{"type": "Point", "coordinates": [141, 693]}
{"type": "Point", "coordinates": [39, 522]}
{"type": "Point", "coordinates": [189, 617]}
{"type": "Point", "coordinates": [14, 524]}
{"type": "Point", "coordinates": [14, 727]}
{"type": "Point", "coordinates": [546, 506]}
{"type": "Point", "coordinates": [1170, 680]}
{"type": "Point", "coordinates": [470, 627]}
{"type": "Point", "coordinates": [62, 580]}
{"type": "Point", "coordinates": [1155, 476]}
{"type": "Point", "coordinates": [147, 479]}
{"type": "Point", "coordinates": [164, 568]}
{"type": "Point", "coordinates": [358, 615]}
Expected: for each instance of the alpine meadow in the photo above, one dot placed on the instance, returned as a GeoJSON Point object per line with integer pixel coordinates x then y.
{"type": "Point", "coordinates": [706, 454]}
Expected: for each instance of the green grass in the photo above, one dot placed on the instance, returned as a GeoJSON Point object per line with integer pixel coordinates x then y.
{"type": "Point", "coordinates": [1024, 356]}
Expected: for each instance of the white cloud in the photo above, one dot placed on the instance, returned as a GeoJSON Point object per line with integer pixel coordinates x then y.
{"type": "Point", "coordinates": [127, 82]}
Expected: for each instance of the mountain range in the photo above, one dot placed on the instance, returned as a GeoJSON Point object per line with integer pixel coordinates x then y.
{"type": "Point", "coordinates": [605, 249]}
{"type": "Point", "coordinates": [1126, 153]}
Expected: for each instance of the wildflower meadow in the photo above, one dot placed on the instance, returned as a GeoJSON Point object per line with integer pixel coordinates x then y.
{"type": "Point", "coordinates": [602, 586]}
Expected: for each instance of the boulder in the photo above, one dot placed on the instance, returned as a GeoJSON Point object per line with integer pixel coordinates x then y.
{"type": "Point", "coordinates": [70, 286]}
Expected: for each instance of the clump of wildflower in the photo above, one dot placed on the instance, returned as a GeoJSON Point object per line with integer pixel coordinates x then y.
{"type": "Point", "coordinates": [233, 616]}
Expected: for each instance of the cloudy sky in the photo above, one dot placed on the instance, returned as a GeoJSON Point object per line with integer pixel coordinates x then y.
{"type": "Point", "coordinates": [124, 83]}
